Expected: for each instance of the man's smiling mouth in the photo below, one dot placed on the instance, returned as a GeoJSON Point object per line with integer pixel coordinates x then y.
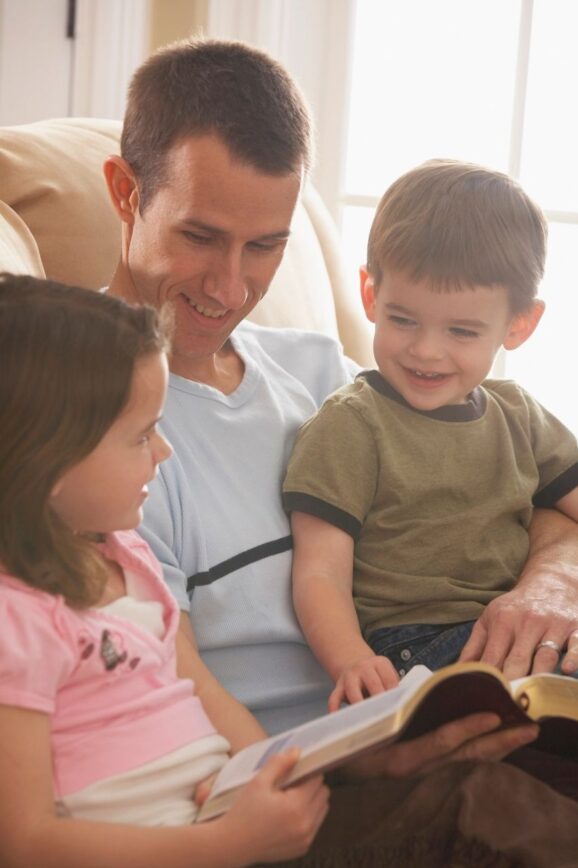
{"type": "Point", "coordinates": [205, 311]}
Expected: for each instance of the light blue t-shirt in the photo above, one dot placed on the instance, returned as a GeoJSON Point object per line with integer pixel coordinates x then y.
{"type": "Point", "coordinates": [215, 520]}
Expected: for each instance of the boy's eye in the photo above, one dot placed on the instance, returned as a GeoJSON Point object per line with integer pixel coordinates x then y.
{"type": "Point", "coordinates": [458, 332]}
{"type": "Point", "coordinates": [402, 321]}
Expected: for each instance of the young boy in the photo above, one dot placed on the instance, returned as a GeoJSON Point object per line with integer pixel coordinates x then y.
{"type": "Point", "coordinates": [412, 489]}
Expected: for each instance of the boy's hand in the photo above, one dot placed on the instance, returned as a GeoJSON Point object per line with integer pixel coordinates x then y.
{"type": "Point", "coordinates": [365, 677]}
{"type": "Point", "coordinates": [272, 824]}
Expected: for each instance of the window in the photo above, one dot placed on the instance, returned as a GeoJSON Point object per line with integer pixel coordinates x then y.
{"type": "Point", "coordinates": [494, 82]}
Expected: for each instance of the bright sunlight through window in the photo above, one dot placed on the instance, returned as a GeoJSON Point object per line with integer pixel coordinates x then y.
{"type": "Point", "coordinates": [494, 82]}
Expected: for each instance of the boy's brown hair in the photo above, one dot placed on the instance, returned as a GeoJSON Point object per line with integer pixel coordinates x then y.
{"type": "Point", "coordinates": [68, 357]}
{"type": "Point", "coordinates": [460, 225]}
{"type": "Point", "coordinates": [201, 87]}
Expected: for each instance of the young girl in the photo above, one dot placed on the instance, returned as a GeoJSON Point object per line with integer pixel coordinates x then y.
{"type": "Point", "coordinates": [99, 738]}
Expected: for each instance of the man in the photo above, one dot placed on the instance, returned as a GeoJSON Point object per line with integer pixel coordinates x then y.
{"type": "Point", "coordinates": [215, 149]}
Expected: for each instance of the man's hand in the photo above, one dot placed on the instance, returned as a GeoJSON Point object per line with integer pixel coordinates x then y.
{"type": "Point", "coordinates": [510, 630]}
{"type": "Point", "coordinates": [543, 607]}
{"type": "Point", "coordinates": [365, 677]}
{"type": "Point", "coordinates": [471, 738]}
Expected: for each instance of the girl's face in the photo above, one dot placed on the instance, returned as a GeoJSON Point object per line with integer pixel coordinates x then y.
{"type": "Point", "coordinates": [106, 490]}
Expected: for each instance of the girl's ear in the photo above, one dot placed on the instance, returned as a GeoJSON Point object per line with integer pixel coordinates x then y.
{"type": "Point", "coordinates": [57, 488]}
{"type": "Point", "coordinates": [523, 325]}
{"type": "Point", "coordinates": [367, 287]}
{"type": "Point", "coordinates": [122, 188]}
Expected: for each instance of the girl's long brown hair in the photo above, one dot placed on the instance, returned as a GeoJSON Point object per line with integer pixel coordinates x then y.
{"type": "Point", "coordinates": [67, 357]}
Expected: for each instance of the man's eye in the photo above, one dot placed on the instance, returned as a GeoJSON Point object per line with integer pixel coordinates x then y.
{"type": "Point", "coordinates": [197, 238]}
{"type": "Point", "coordinates": [402, 321]}
{"type": "Point", "coordinates": [268, 246]}
{"type": "Point", "coordinates": [463, 333]}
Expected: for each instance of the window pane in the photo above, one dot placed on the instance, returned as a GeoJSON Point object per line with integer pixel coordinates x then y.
{"type": "Point", "coordinates": [550, 144]}
{"type": "Point", "coordinates": [355, 230]}
{"type": "Point", "coordinates": [430, 79]}
{"type": "Point", "coordinates": [545, 365]}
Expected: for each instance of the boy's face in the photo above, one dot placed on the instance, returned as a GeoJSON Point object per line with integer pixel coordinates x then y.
{"type": "Point", "coordinates": [435, 347]}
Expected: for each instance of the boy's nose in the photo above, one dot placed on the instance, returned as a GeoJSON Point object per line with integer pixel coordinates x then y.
{"type": "Point", "coordinates": [426, 345]}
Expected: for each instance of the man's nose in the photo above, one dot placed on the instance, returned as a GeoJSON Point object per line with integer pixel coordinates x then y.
{"type": "Point", "coordinates": [229, 284]}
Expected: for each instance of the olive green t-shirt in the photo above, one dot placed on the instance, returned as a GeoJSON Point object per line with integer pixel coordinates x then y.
{"type": "Point", "coordinates": [438, 502]}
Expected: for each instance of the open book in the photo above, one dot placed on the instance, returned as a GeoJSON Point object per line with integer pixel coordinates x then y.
{"type": "Point", "coordinates": [420, 703]}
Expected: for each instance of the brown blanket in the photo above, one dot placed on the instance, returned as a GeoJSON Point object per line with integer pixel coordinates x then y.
{"type": "Point", "coordinates": [465, 814]}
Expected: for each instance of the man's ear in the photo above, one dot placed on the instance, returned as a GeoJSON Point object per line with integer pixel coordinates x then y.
{"type": "Point", "coordinates": [122, 187]}
{"type": "Point", "coordinates": [523, 325]}
{"type": "Point", "coordinates": [367, 287]}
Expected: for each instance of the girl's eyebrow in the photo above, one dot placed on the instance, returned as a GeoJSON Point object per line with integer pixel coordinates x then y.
{"type": "Point", "coordinates": [151, 425]}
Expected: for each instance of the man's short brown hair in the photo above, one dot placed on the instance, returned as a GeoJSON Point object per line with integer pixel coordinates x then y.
{"type": "Point", "coordinates": [202, 87]}
{"type": "Point", "coordinates": [460, 225]}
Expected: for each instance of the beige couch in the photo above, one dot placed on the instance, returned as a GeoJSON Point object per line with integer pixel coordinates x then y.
{"type": "Point", "coordinates": [55, 220]}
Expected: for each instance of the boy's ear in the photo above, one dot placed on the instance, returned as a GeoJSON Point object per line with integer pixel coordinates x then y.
{"type": "Point", "coordinates": [523, 325]}
{"type": "Point", "coordinates": [367, 287]}
{"type": "Point", "coordinates": [122, 187]}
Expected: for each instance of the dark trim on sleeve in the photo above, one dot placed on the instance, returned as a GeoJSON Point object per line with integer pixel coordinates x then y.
{"type": "Point", "coordinates": [243, 559]}
{"type": "Point", "coordinates": [558, 488]}
{"type": "Point", "coordinates": [296, 501]}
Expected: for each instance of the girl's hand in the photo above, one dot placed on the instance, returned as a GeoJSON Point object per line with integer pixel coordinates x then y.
{"type": "Point", "coordinates": [365, 677]}
{"type": "Point", "coordinates": [203, 789]}
{"type": "Point", "coordinates": [272, 824]}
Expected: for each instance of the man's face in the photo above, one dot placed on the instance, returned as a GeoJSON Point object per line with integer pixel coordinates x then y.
{"type": "Point", "coordinates": [209, 243]}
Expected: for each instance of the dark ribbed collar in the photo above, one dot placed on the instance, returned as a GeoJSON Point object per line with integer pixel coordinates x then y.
{"type": "Point", "coordinates": [473, 409]}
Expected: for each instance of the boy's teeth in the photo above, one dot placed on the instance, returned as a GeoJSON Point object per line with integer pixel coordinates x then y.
{"type": "Point", "coordinates": [428, 376]}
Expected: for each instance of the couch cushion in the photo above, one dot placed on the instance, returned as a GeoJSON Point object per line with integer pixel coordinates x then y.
{"type": "Point", "coordinates": [18, 250]}
{"type": "Point", "coordinates": [51, 176]}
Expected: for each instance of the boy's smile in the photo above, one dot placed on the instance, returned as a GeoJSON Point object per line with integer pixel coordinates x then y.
{"type": "Point", "coordinates": [435, 346]}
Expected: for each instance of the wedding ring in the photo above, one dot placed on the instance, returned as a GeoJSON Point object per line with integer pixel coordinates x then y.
{"type": "Point", "coordinates": [549, 643]}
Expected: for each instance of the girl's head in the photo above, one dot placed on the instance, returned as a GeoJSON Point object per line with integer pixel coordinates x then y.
{"type": "Point", "coordinates": [82, 387]}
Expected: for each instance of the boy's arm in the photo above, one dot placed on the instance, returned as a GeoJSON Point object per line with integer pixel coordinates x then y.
{"type": "Point", "coordinates": [322, 595]}
{"type": "Point", "coordinates": [543, 605]}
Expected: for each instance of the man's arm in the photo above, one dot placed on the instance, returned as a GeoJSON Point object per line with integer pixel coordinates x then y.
{"type": "Point", "coordinates": [322, 595]}
{"type": "Point", "coordinates": [542, 606]}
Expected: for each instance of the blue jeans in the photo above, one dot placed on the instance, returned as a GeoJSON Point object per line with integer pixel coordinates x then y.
{"type": "Point", "coordinates": [433, 645]}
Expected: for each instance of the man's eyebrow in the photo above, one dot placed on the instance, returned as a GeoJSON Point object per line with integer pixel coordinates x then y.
{"type": "Point", "coordinates": [282, 235]}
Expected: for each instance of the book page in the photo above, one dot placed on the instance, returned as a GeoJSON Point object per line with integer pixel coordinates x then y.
{"type": "Point", "coordinates": [319, 732]}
